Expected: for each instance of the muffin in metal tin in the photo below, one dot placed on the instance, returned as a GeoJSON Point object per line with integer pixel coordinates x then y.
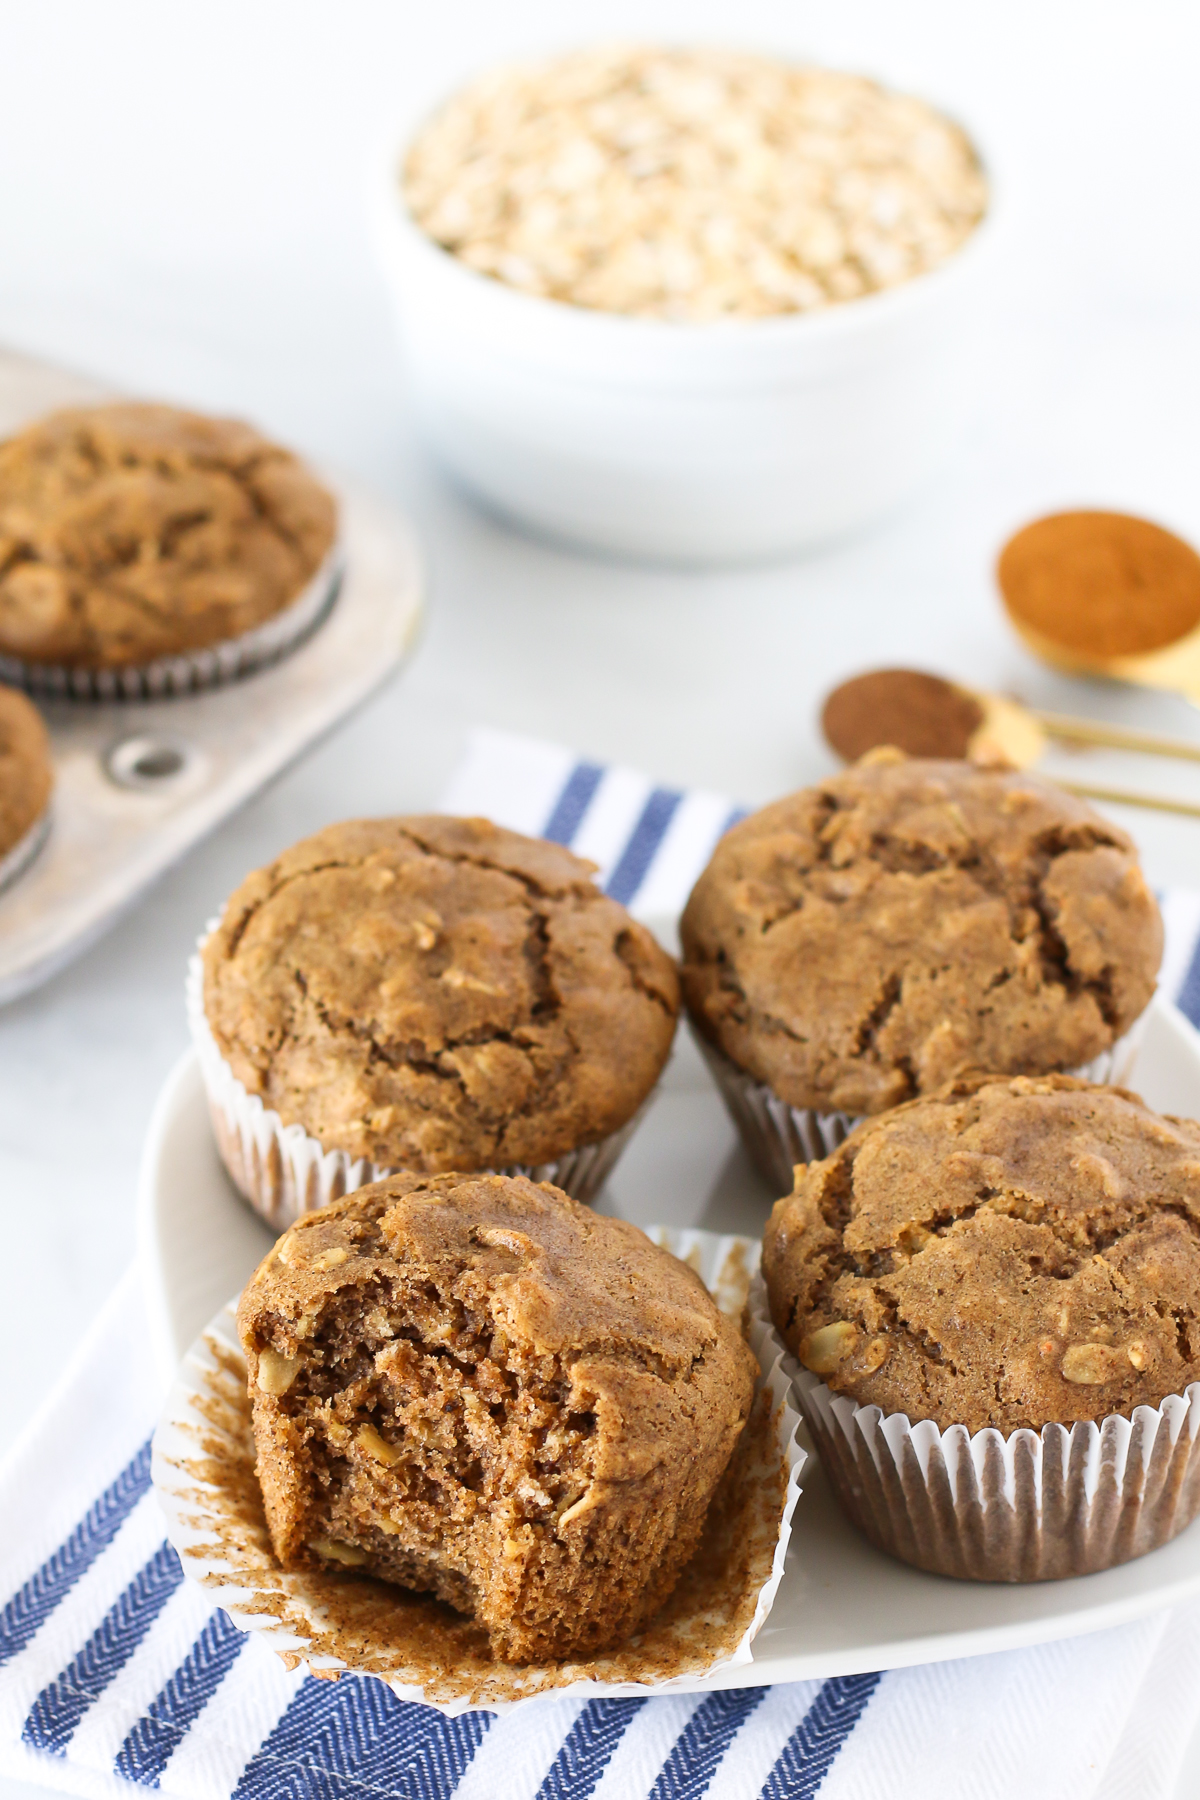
{"type": "Point", "coordinates": [26, 784]}
{"type": "Point", "coordinates": [146, 550]}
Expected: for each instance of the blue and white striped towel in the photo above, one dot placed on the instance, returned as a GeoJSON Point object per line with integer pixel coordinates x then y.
{"type": "Point", "coordinates": [115, 1674]}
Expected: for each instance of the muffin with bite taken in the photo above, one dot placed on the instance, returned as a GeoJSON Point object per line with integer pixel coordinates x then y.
{"type": "Point", "coordinates": [474, 1387]}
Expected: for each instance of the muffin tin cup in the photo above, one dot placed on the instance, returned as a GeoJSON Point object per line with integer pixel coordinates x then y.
{"type": "Point", "coordinates": [14, 862]}
{"type": "Point", "coordinates": [778, 1136]}
{"type": "Point", "coordinates": [284, 1173]}
{"type": "Point", "coordinates": [190, 671]}
{"type": "Point", "coordinates": [203, 1453]}
{"type": "Point", "coordinates": [1029, 1506]}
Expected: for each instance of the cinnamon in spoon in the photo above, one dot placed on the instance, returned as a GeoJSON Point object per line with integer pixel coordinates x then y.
{"type": "Point", "coordinates": [923, 715]}
{"type": "Point", "coordinates": [1101, 584]}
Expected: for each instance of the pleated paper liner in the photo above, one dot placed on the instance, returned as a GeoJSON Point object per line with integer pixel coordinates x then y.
{"type": "Point", "coordinates": [14, 862]}
{"type": "Point", "coordinates": [778, 1136]}
{"type": "Point", "coordinates": [191, 671]}
{"type": "Point", "coordinates": [1029, 1506]}
{"type": "Point", "coordinates": [284, 1173]}
{"type": "Point", "coordinates": [203, 1469]}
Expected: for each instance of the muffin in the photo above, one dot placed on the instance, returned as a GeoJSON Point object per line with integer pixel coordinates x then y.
{"type": "Point", "coordinates": [26, 780]}
{"type": "Point", "coordinates": [475, 1387]}
{"type": "Point", "coordinates": [868, 939]}
{"type": "Point", "coordinates": [994, 1294]}
{"type": "Point", "coordinates": [429, 994]}
{"type": "Point", "coordinates": [144, 550]}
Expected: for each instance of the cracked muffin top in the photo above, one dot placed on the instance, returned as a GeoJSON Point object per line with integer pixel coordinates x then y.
{"type": "Point", "coordinates": [26, 776]}
{"type": "Point", "coordinates": [437, 993]}
{"type": "Point", "coordinates": [870, 938]}
{"type": "Point", "coordinates": [1010, 1251]}
{"type": "Point", "coordinates": [129, 532]}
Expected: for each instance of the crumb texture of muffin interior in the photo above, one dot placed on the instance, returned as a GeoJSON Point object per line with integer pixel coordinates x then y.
{"type": "Point", "coordinates": [130, 532]}
{"type": "Point", "coordinates": [437, 993]}
{"type": "Point", "coordinates": [1009, 1252]}
{"type": "Point", "coordinates": [868, 939]}
{"type": "Point", "coordinates": [26, 772]}
{"type": "Point", "coordinates": [475, 1387]}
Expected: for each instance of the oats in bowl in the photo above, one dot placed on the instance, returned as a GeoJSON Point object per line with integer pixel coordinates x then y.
{"type": "Point", "coordinates": [619, 279]}
{"type": "Point", "coordinates": [692, 184]}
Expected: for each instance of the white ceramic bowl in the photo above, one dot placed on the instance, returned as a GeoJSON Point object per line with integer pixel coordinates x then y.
{"type": "Point", "coordinates": [707, 443]}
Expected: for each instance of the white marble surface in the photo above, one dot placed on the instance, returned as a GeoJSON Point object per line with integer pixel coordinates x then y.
{"type": "Point", "coordinates": [180, 212]}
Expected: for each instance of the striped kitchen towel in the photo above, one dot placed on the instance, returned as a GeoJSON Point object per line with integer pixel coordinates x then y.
{"type": "Point", "coordinates": [651, 842]}
{"type": "Point", "coordinates": [116, 1674]}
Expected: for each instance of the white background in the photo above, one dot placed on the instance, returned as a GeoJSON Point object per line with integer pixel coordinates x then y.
{"type": "Point", "coordinates": [181, 212]}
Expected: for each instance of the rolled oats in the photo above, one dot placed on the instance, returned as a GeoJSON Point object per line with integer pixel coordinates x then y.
{"type": "Point", "coordinates": [692, 184]}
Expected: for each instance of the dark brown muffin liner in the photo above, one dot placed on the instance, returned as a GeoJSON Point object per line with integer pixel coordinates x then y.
{"type": "Point", "coordinates": [193, 670]}
{"type": "Point", "coordinates": [284, 1173]}
{"type": "Point", "coordinates": [778, 1136]}
{"type": "Point", "coordinates": [16, 860]}
{"type": "Point", "coordinates": [1029, 1506]}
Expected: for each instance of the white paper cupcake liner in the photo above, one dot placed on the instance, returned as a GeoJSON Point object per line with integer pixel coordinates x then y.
{"type": "Point", "coordinates": [1113, 1067]}
{"type": "Point", "coordinates": [192, 670]}
{"type": "Point", "coordinates": [778, 1136]}
{"type": "Point", "coordinates": [14, 862]}
{"type": "Point", "coordinates": [204, 1453]}
{"type": "Point", "coordinates": [284, 1173]}
{"type": "Point", "coordinates": [1032, 1506]}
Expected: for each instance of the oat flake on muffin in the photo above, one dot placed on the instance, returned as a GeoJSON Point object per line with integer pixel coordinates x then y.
{"type": "Point", "coordinates": [1009, 1252]}
{"type": "Point", "coordinates": [133, 532]}
{"type": "Point", "coordinates": [869, 938]}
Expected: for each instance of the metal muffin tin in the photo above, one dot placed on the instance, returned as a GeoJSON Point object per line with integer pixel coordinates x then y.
{"type": "Point", "coordinates": [193, 671]}
{"type": "Point", "coordinates": [138, 782]}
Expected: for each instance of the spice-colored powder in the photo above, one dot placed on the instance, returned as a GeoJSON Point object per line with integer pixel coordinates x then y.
{"type": "Point", "coordinates": [920, 714]}
{"type": "Point", "coordinates": [1101, 584]}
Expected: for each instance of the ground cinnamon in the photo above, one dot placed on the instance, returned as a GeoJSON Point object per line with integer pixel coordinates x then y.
{"type": "Point", "coordinates": [1101, 584]}
{"type": "Point", "coordinates": [920, 714]}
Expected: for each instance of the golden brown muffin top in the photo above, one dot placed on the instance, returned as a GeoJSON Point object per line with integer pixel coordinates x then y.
{"type": "Point", "coordinates": [26, 774]}
{"type": "Point", "coordinates": [870, 938]}
{"type": "Point", "coordinates": [437, 993]}
{"type": "Point", "coordinates": [556, 1278]}
{"type": "Point", "coordinates": [1010, 1251]}
{"type": "Point", "coordinates": [129, 532]}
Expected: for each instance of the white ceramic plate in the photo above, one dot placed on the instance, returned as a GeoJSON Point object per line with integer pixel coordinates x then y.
{"type": "Point", "coordinates": [843, 1607]}
{"type": "Point", "coordinates": [194, 759]}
